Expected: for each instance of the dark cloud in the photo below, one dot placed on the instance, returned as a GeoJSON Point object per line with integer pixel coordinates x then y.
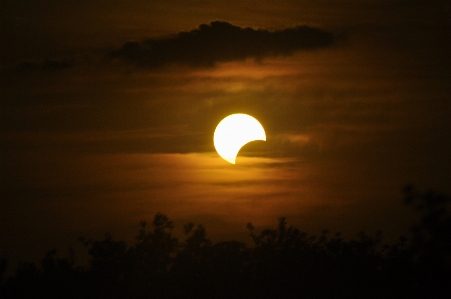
{"type": "Point", "coordinates": [47, 65]}
{"type": "Point", "coordinates": [221, 42]}
{"type": "Point", "coordinates": [36, 66]}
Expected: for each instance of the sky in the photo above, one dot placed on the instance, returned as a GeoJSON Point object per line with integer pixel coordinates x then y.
{"type": "Point", "coordinates": [108, 110]}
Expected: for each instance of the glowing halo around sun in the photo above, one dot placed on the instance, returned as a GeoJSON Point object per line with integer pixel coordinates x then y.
{"type": "Point", "coordinates": [233, 132]}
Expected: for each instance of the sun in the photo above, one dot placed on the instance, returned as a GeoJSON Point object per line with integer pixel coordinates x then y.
{"type": "Point", "coordinates": [233, 132]}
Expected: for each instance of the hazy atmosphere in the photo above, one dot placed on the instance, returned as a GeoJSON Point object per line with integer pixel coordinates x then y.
{"type": "Point", "coordinates": [108, 110]}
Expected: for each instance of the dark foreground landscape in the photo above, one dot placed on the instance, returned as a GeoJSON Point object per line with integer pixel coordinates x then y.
{"type": "Point", "coordinates": [284, 262]}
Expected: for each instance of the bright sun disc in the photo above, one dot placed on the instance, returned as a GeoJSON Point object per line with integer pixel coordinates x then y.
{"type": "Point", "coordinates": [233, 132]}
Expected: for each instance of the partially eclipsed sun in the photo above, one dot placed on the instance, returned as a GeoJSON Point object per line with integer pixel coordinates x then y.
{"type": "Point", "coordinates": [233, 132]}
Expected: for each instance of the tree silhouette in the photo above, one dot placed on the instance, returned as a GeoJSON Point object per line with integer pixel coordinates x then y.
{"type": "Point", "coordinates": [431, 241]}
{"type": "Point", "coordinates": [283, 262]}
{"type": "Point", "coordinates": [3, 267]}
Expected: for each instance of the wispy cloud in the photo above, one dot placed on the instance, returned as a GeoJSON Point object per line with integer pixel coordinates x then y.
{"type": "Point", "coordinates": [221, 42]}
{"type": "Point", "coordinates": [47, 65]}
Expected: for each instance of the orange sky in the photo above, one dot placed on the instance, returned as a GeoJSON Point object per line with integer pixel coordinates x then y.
{"type": "Point", "coordinates": [102, 144]}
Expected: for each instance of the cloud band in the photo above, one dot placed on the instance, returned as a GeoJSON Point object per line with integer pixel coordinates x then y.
{"type": "Point", "coordinates": [221, 42]}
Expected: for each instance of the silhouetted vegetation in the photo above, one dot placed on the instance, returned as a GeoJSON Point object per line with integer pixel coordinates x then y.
{"type": "Point", "coordinates": [283, 262]}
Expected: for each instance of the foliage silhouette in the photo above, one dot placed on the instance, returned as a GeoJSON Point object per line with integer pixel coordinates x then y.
{"type": "Point", "coordinates": [283, 262]}
{"type": "Point", "coordinates": [431, 241]}
{"type": "Point", "coordinates": [3, 267]}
